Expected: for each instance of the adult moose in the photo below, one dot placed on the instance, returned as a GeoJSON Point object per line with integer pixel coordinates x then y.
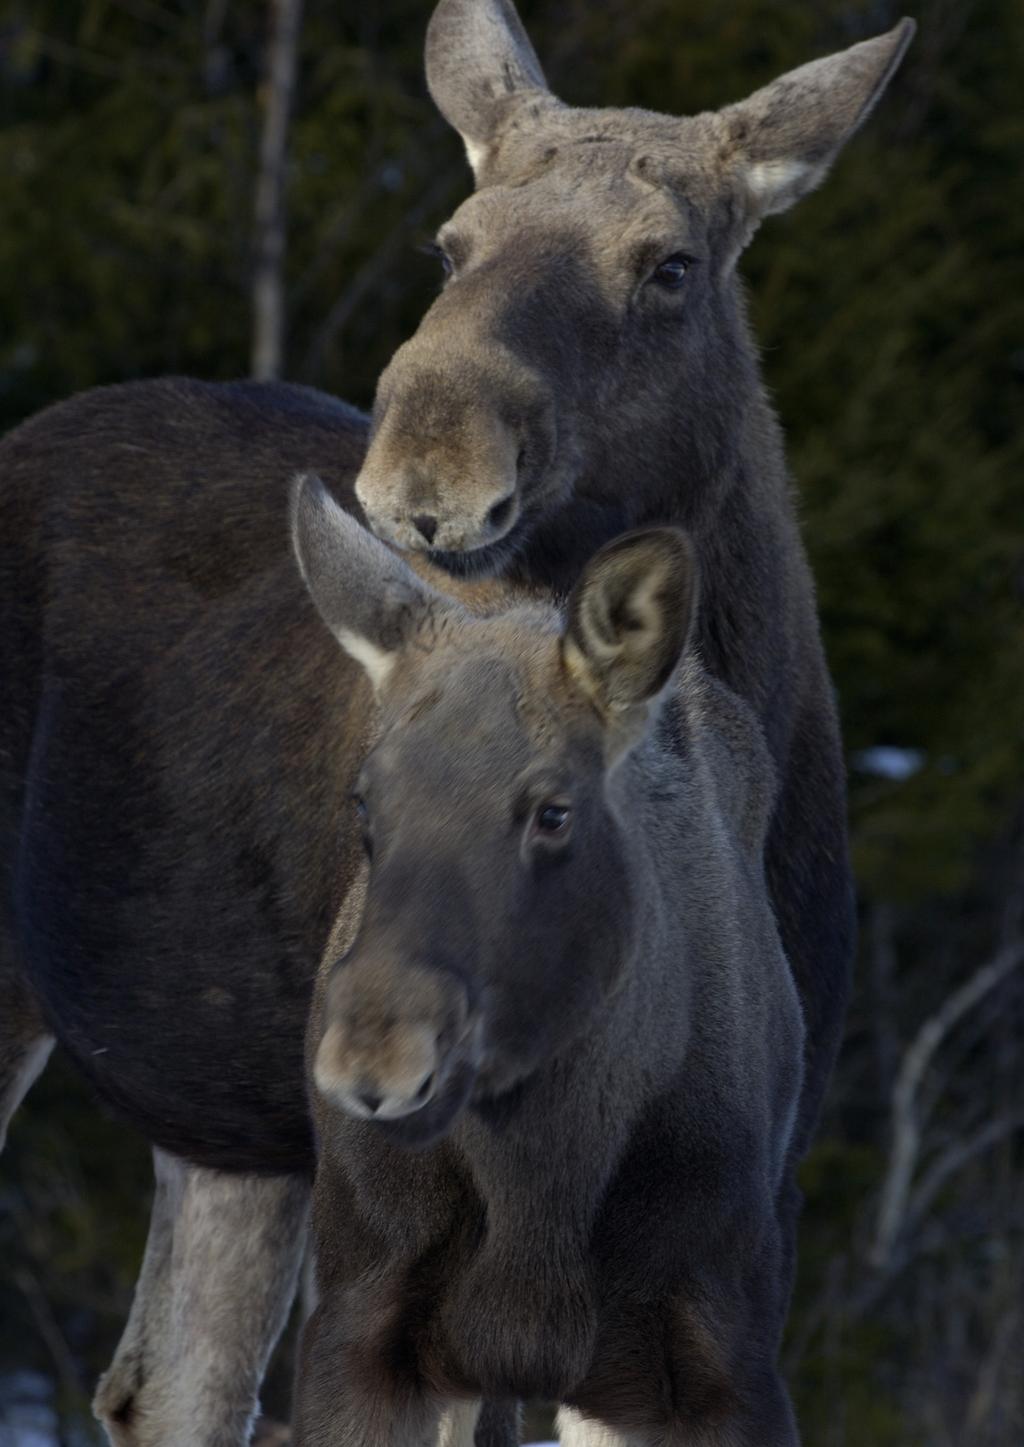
{"type": "Point", "coordinates": [176, 745]}
{"type": "Point", "coordinates": [567, 926]}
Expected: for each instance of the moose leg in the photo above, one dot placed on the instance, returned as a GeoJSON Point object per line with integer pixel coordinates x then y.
{"type": "Point", "coordinates": [498, 1425]}
{"type": "Point", "coordinates": [772, 1425]}
{"type": "Point", "coordinates": [752, 1410]}
{"type": "Point", "coordinates": [353, 1388]}
{"type": "Point", "coordinates": [25, 1044]}
{"type": "Point", "coordinates": [218, 1277]}
{"type": "Point", "coordinates": [577, 1431]}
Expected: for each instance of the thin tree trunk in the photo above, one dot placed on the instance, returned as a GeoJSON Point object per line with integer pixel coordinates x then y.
{"type": "Point", "coordinates": [271, 186]}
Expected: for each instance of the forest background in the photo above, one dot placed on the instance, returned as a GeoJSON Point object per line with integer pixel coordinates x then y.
{"type": "Point", "coordinates": [890, 307]}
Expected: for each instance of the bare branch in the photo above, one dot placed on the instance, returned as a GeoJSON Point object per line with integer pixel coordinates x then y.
{"type": "Point", "coordinates": [49, 1330]}
{"type": "Point", "coordinates": [372, 270]}
{"type": "Point", "coordinates": [958, 1156]}
{"type": "Point", "coordinates": [906, 1135]}
{"type": "Point", "coordinates": [268, 282]}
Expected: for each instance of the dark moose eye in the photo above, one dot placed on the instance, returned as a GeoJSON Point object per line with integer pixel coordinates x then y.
{"type": "Point", "coordinates": [447, 265]}
{"type": "Point", "coordinates": [552, 819]}
{"type": "Point", "coordinates": [672, 272]}
{"type": "Point", "coordinates": [364, 824]}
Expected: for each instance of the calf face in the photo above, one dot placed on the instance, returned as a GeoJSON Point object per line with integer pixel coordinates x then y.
{"type": "Point", "coordinates": [500, 911]}
{"type": "Point", "coordinates": [589, 335]}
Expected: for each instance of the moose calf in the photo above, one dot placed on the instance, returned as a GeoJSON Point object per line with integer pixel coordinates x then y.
{"type": "Point", "coordinates": [557, 1068]}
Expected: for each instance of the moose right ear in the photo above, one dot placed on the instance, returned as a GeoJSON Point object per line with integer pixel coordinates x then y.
{"type": "Point", "coordinates": [369, 598]}
{"type": "Point", "coordinates": [784, 137]}
{"type": "Point", "coordinates": [630, 616]}
{"type": "Point", "coordinates": [478, 59]}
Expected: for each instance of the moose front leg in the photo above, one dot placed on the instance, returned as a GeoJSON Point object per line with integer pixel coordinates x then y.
{"type": "Point", "coordinates": [218, 1277]}
{"type": "Point", "coordinates": [680, 1385]}
{"type": "Point", "coordinates": [357, 1385]}
{"type": "Point", "coordinates": [698, 1368]}
{"type": "Point", "coordinates": [767, 1422]}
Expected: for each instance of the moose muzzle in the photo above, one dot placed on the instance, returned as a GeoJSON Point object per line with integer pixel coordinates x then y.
{"type": "Point", "coordinates": [395, 1040]}
{"type": "Point", "coordinates": [459, 444]}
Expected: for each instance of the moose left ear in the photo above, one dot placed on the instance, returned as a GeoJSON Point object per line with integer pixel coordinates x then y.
{"type": "Point", "coordinates": [479, 62]}
{"type": "Point", "coordinates": [369, 598]}
{"type": "Point", "coordinates": [630, 616]}
{"type": "Point", "coordinates": [785, 137]}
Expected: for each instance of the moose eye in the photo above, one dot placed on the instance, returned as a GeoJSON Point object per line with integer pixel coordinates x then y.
{"type": "Point", "coordinates": [447, 265]}
{"type": "Point", "coordinates": [363, 815]}
{"type": "Point", "coordinates": [552, 820]}
{"type": "Point", "coordinates": [672, 272]}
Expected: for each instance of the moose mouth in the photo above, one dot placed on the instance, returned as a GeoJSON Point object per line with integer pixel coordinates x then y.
{"type": "Point", "coordinates": [490, 558]}
{"type": "Point", "coordinates": [561, 539]}
{"type": "Point", "coordinates": [431, 1122]}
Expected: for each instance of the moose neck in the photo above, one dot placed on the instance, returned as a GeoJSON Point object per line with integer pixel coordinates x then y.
{"type": "Point", "coordinates": [707, 456]}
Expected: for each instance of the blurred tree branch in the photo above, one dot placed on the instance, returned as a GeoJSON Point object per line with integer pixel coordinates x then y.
{"type": "Point", "coordinates": [271, 186]}
{"type": "Point", "coordinates": [906, 1116]}
{"type": "Point", "coordinates": [376, 266]}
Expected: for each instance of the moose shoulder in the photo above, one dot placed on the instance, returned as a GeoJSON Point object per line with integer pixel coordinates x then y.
{"type": "Point", "coordinates": [567, 989]}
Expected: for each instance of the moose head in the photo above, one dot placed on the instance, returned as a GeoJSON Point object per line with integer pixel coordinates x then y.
{"type": "Point", "coordinates": [589, 341]}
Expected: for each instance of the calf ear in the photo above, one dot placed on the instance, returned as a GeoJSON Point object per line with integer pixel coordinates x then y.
{"type": "Point", "coordinates": [785, 137]}
{"type": "Point", "coordinates": [369, 598]}
{"type": "Point", "coordinates": [479, 59]}
{"type": "Point", "coordinates": [630, 616]}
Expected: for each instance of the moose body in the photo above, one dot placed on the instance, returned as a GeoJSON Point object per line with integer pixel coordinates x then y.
{"type": "Point", "coordinates": [567, 989]}
{"type": "Point", "coordinates": [179, 736]}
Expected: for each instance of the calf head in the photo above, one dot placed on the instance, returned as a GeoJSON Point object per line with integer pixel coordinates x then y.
{"type": "Point", "coordinates": [501, 909]}
{"type": "Point", "coordinates": [589, 321]}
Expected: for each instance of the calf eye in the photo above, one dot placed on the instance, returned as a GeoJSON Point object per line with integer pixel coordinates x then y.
{"type": "Point", "coordinates": [672, 272]}
{"type": "Point", "coordinates": [364, 823]}
{"type": "Point", "coordinates": [552, 819]}
{"type": "Point", "coordinates": [447, 265]}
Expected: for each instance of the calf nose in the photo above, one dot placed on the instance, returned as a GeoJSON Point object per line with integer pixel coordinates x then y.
{"type": "Point", "coordinates": [389, 1103]}
{"type": "Point", "coordinates": [384, 1076]}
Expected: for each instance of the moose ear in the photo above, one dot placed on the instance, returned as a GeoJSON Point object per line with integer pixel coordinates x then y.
{"type": "Point", "coordinates": [630, 616]}
{"type": "Point", "coordinates": [369, 598]}
{"type": "Point", "coordinates": [785, 137]}
{"type": "Point", "coordinates": [479, 58]}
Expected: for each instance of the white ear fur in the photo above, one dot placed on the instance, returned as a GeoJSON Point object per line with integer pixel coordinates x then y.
{"type": "Point", "coordinates": [376, 663]}
{"type": "Point", "coordinates": [787, 134]}
{"type": "Point", "coordinates": [367, 595]}
{"type": "Point", "coordinates": [476, 154]}
{"type": "Point", "coordinates": [774, 185]}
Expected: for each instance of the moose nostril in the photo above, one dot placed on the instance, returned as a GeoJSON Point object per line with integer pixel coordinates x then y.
{"type": "Point", "coordinates": [426, 526]}
{"type": "Point", "coordinates": [371, 1100]}
{"type": "Point", "coordinates": [500, 513]}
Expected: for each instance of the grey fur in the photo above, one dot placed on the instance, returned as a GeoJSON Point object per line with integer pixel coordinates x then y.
{"type": "Point", "coordinates": [599, 1214]}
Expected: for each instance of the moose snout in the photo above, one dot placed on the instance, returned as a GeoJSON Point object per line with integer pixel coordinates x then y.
{"type": "Point", "coordinates": [411, 510]}
{"type": "Point", "coordinates": [388, 1077]}
{"type": "Point", "coordinates": [459, 443]}
{"type": "Point", "coordinates": [391, 1040]}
